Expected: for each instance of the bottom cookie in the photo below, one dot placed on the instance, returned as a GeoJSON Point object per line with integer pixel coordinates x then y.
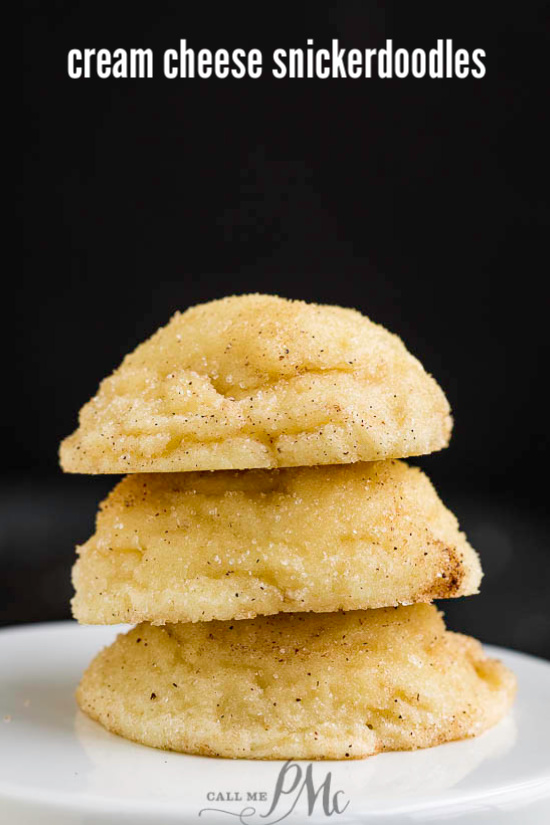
{"type": "Point", "coordinates": [298, 686]}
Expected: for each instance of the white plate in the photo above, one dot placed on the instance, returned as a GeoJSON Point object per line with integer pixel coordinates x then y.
{"type": "Point", "coordinates": [57, 766]}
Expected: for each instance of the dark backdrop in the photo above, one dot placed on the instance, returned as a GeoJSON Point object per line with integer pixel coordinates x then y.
{"type": "Point", "coordinates": [421, 202]}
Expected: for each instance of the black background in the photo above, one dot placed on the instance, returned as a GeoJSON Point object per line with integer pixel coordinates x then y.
{"type": "Point", "coordinates": [420, 202]}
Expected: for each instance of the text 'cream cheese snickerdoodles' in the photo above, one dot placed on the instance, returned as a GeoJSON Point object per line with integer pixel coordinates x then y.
{"type": "Point", "coordinates": [260, 381]}
{"type": "Point", "coordinates": [298, 686]}
{"type": "Point", "coordinates": [231, 545]}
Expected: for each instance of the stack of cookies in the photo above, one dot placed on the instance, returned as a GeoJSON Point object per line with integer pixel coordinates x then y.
{"type": "Point", "coordinates": [279, 561]}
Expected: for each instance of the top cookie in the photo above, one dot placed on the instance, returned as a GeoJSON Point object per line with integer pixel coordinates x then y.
{"type": "Point", "coordinates": [260, 381]}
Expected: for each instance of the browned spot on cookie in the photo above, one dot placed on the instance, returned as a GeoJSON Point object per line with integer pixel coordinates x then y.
{"type": "Point", "coordinates": [451, 577]}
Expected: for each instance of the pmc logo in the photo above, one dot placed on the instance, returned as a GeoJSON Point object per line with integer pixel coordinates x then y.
{"type": "Point", "coordinates": [293, 784]}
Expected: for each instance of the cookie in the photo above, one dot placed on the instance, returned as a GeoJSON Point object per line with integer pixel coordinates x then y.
{"type": "Point", "coordinates": [230, 545]}
{"type": "Point", "coordinates": [298, 686]}
{"type": "Point", "coordinates": [260, 381]}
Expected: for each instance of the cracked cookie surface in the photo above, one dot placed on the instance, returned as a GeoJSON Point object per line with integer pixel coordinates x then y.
{"type": "Point", "coordinates": [260, 381]}
{"type": "Point", "coordinates": [298, 686]}
{"type": "Point", "coordinates": [200, 546]}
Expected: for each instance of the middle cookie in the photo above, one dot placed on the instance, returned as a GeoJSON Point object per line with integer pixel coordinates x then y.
{"type": "Point", "coordinates": [231, 545]}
